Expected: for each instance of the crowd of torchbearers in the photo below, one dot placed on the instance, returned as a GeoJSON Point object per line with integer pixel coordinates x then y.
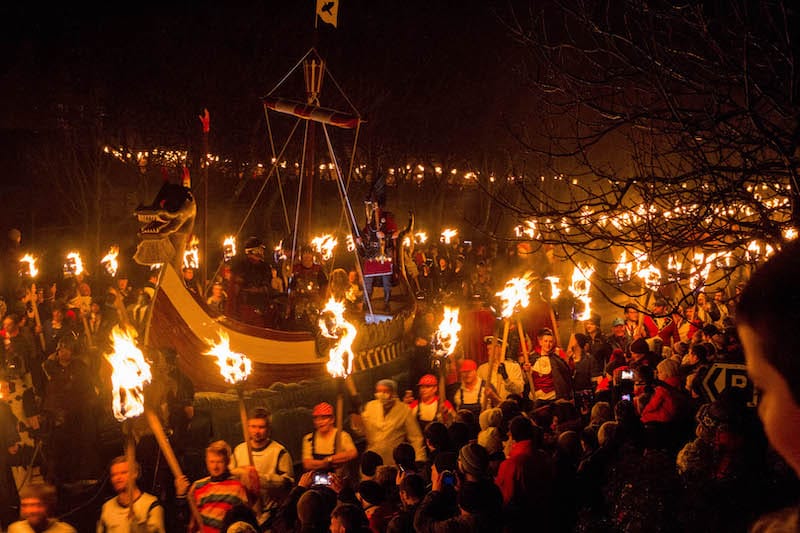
{"type": "Point", "coordinates": [499, 423]}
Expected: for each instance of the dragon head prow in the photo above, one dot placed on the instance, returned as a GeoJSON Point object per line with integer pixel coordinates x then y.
{"type": "Point", "coordinates": [167, 226]}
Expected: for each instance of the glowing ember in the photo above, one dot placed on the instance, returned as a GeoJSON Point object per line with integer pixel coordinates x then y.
{"type": "Point", "coordinates": [228, 248]}
{"type": "Point", "coordinates": [790, 234]}
{"type": "Point", "coordinates": [129, 375]}
{"type": "Point", "coordinates": [580, 287]}
{"type": "Point", "coordinates": [446, 337]}
{"type": "Point", "coordinates": [333, 326]}
{"type": "Point", "coordinates": [324, 245]}
{"type": "Point", "coordinates": [448, 235]}
{"type": "Point", "coordinates": [110, 261]}
{"type": "Point", "coordinates": [32, 270]}
{"type": "Point", "coordinates": [515, 293]}
{"type": "Point", "coordinates": [234, 366]}
{"type": "Point", "coordinates": [74, 264]}
{"type": "Point", "coordinates": [191, 257]}
{"type": "Point", "coordinates": [555, 291]}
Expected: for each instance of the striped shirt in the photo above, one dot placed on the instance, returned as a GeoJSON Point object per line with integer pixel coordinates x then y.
{"type": "Point", "coordinates": [215, 497]}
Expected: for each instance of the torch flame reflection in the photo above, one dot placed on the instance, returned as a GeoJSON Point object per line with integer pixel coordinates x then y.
{"type": "Point", "coordinates": [130, 374]}
{"type": "Point", "coordinates": [234, 366]}
{"type": "Point", "coordinates": [333, 326]}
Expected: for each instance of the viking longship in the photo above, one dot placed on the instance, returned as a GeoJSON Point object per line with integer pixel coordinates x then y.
{"type": "Point", "coordinates": [181, 321]}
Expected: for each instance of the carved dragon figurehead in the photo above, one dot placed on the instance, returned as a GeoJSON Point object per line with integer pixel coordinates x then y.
{"type": "Point", "coordinates": [167, 226]}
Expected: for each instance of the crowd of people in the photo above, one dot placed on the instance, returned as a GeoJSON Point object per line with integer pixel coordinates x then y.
{"type": "Point", "coordinates": [613, 431]}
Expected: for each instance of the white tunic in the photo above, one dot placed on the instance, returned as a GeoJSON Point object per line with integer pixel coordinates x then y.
{"type": "Point", "coordinates": [384, 433]}
{"type": "Point", "coordinates": [148, 516]}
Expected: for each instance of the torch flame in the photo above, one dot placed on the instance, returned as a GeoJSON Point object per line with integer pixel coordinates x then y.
{"type": "Point", "coordinates": [448, 235]}
{"type": "Point", "coordinates": [446, 337]}
{"type": "Point", "coordinates": [32, 270]}
{"type": "Point", "coordinates": [624, 268]}
{"type": "Point", "coordinates": [333, 326]}
{"type": "Point", "coordinates": [75, 262]}
{"type": "Point", "coordinates": [110, 261]}
{"type": "Point", "coordinates": [555, 291]}
{"type": "Point", "coordinates": [229, 247]}
{"type": "Point", "coordinates": [421, 237]}
{"type": "Point", "coordinates": [651, 277]}
{"type": "Point", "coordinates": [324, 245]}
{"type": "Point", "coordinates": [580, 287]}
{"type": "Point", "coordinates": [234, 366]}
{"type": "Point", "coordinates": [351, 244]}
{"type": "Point", "coordinates": [516, 292]}
{"type": "Point", "coordinates": [191, 257]}
{"type": "Point", "coordinates": [130, 374]}
{"type": "Point", "coordinates": [673, 265]}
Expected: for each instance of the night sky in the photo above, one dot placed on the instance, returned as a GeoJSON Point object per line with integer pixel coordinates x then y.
{"type": "Point", "coordinates": [440, 68]}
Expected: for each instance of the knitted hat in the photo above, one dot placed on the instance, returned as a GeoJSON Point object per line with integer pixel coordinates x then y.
{"type": "Point", "coordinates": [428, 379]}
{"type": "Point", "coordinates": [618, 322]}
{"type": "Point", "coordinates": [392, 384]}
{"type": "Point", "coordinates": [371, 492]}
{"type": "Point", "coordinates": [490, 439]}
{"type": "Point", "coordinates": [490, 418]}
{"type": "Point", "coordinates": [474, 460]}
{"type": "Point", "coordinates": [322, 409]}
{"type": "Point", "coordinates": [667, 368]}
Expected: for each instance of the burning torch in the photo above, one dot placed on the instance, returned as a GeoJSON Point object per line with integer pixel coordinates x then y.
{"type": "Point", "coordinates": [33, 272]}
{"type": "Point", "coordinates": [110, 262]}
{"type": "Point", "coordinates": [235, 368]}
{"type": "Point", "coordinates": [228, 248]}
{"type": "Point", "coordinates": [515, 295]}
{"type": "Point", "coordinates": [443, 345]}
{"type": "Point", "coordinates": [130, 373]}
{"type": "Point", "coordinates": [333, 325]}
